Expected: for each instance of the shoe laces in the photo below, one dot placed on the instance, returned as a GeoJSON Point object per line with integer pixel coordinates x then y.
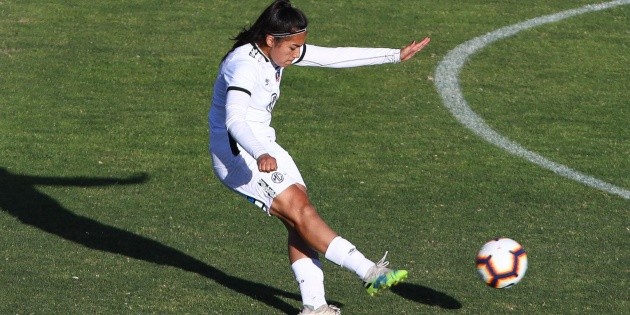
{"type": "Point", "coordinates": [379, 269]}
{"type": "Point", "coordinates": [383, 263]}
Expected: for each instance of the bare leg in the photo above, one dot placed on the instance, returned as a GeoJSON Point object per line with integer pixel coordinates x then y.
{"type": "Point", "coordinates": [308, 232]}
{"type": "Point", "coordinates": [295, 209]}
{"type": "Point", "coordinates": [297, 248]}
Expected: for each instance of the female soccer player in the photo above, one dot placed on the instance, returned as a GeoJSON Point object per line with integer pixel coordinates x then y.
{"type": "Point", "coordinates": [247, 159]}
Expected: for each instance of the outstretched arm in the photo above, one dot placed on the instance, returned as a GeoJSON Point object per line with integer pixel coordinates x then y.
{"type": "Point", "coordinates": [410, 50]}
{"type": "Point", "coordinates": [347, 57]}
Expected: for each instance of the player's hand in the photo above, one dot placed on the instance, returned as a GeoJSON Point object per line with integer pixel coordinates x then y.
{"type": "Point", "coordinates": [410, 50]}
{"type": "Point", "coordinates": [267, 163]}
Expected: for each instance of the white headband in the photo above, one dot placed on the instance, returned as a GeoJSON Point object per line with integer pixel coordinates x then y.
{"type": "Point", "coordinates": [288, 34]}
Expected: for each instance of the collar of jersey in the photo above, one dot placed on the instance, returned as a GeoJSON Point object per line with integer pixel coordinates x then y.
{"type": "Point", "coordinates": [267, 59]}
{"type": "Point", "coordinates": [260, 51]}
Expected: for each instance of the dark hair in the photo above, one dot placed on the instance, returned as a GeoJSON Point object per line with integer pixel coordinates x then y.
{"type": "Point", "coordinates": [278, 18]}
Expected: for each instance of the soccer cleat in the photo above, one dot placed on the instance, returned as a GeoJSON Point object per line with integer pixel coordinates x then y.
{"type": "Point", "coordinates": [322, 310]}
{"type": "Point", "coordinates": [379, 277]}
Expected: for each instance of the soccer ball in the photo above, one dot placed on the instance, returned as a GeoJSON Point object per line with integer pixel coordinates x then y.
{"type": "Point", "coordinates": [501, 263]}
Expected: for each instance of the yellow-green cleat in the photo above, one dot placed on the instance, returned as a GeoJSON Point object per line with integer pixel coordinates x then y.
{"type": "Point", "coordinates": [380, 277]}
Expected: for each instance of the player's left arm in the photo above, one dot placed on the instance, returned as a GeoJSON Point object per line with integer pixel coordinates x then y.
{"type": "Point", "coordinates": [346, 57]}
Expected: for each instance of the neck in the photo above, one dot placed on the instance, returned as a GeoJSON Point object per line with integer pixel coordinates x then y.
{"type": "Point", "coordinates": [266, 50]}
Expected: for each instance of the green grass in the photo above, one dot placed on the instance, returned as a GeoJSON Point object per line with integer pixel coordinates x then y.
{"type": "Point", "coordinates": [110, 205]}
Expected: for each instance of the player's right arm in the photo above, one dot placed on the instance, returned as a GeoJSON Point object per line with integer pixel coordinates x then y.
{"type": "Point", "coordinates": [266, 163]}
{"type": "Point", "coordinates": [242, 80]}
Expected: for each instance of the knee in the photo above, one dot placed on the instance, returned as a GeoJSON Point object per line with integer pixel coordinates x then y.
{"type": "Point", "coordinates": [304, 213]}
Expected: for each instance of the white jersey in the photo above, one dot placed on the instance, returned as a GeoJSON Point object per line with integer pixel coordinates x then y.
{"type": "Point", "coordinates": [248, 71]}
{"type": "Point", "coordinates": [245, 93]}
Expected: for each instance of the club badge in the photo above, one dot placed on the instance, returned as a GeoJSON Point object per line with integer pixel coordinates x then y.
{"type": "Point", "coordinates": [277, 177]}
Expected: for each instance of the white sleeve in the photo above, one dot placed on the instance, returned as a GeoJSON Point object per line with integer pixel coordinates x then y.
{"type": "Point", "coordinates": [237, 101]}
{"type": "Point", "coordinates": [345, 57]}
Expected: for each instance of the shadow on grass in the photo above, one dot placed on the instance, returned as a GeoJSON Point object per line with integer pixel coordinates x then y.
{"type": "Point", "coordinates": [20, 198]}
{"type": "Point", "coordinates": [426, 296]}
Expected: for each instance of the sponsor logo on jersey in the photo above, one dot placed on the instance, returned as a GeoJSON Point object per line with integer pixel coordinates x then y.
{"type": "Point", "coordinates": [253, 52]}
{"type": "Point", "coordinates": [256, 54]}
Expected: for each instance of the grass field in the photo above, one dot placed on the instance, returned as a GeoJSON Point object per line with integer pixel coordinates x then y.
{"type": "Point", "coordinates": [109, 204]}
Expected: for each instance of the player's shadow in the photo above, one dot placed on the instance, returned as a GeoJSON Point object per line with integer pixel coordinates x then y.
{"type": "Point", "coordinates": [426, 296]}
{"type": "Point", "coordinates": [20, 198]}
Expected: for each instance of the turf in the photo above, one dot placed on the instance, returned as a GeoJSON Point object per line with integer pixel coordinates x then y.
{"type": "Point", "coordinates": [109, 204]}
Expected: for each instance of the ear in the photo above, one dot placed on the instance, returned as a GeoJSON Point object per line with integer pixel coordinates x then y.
{"type": "Point", "coordinates": [270, 40]}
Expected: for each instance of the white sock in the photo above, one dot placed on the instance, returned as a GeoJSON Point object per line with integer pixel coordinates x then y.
{"type": "Point", "coordinates": [344, 254]}
{"type": "Point", "coordinates": [310, 278]}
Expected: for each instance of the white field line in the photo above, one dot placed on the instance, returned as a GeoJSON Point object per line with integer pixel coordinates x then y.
{"type": "Point", "coordinates": [447, 83]}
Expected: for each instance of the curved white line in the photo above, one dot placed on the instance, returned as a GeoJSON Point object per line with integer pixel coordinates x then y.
{"type": "Point", "coordinates": [447, 83]}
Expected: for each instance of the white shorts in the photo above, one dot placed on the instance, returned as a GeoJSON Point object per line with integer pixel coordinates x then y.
{"type": "Point", "coordinates": [240, 173]}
